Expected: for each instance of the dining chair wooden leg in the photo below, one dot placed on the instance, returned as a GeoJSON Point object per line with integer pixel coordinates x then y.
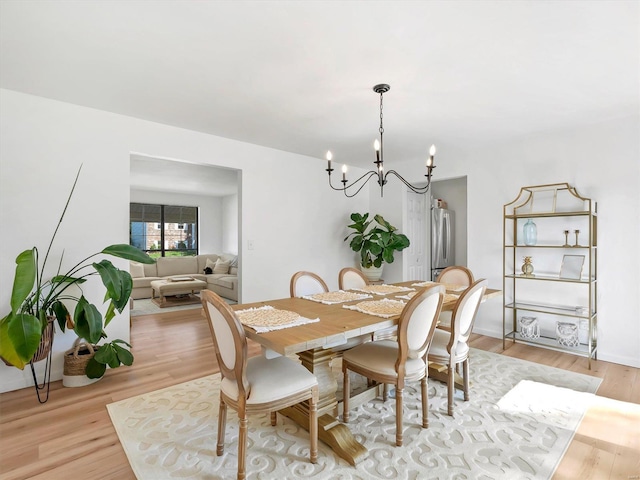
{"type": "Point", "coordinates": [274, 419]}
{"type": "Point", "coordinates": [425, 402]}
{"type": "Point", "coordinates": [346, 392]}
{"type": "Point", "coordinates": [465, 376]}
{"type": "Point", "coordinates": [313, 426]}
{"type": "Point", "coordinates": [385, 392]}
{"type": "Point", "coordinates": [222, 424]}
{"type": "Point", "coordinates": [450, 388]}
{"type": "Point", "coordinates": [242, 446]}
{"type": "Point", "coordinates": [399, 392]}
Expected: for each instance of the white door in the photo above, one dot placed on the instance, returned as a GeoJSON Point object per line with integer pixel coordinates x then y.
{"type": "Point", "coordinates": [415, 255]}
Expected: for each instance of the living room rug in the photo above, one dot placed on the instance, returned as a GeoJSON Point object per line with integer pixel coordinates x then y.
{"type": "Point", "coordinates": [518, 423]}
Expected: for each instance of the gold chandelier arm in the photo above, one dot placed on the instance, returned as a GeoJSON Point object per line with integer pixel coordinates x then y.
{"type": "Point", "coordinates": [411, 187]}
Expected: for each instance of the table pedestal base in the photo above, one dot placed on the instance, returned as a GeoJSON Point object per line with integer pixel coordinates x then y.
{"type": "Point", "coordinates": [330, 430]}
{"type": "Point", "coordinates": [440, 372]}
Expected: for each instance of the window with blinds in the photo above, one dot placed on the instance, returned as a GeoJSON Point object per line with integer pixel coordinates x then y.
{"type": "Point", "coordinates": [164, 230]}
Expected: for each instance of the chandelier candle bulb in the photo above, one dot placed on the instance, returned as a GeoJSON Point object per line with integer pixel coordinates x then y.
{"type": "Point", "coordinates": [432, 153]}
{"type": "Point", "coordinates": [329, 157]}
{"type": "Point", "coordinates": [344, 173]}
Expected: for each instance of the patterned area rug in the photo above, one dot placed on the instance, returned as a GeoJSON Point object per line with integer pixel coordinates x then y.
{"type": "Point", "coordinates": [518, 424]}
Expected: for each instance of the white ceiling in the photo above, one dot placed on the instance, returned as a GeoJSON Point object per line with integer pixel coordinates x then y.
{"type": "Point", "coordinates": [298, 76]}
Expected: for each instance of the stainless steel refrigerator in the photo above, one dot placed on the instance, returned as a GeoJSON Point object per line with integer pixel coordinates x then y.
{"type": "Point", "coordinates": [442, 252]}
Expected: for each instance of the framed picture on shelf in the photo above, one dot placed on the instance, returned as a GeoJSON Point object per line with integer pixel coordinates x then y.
{"type": "Point", "coordinates": [544, 201]}
{"type": "Point", "coordinates": [571, 267]}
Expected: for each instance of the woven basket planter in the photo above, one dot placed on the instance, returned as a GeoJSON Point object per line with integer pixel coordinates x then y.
{"type": "Point", "coordinates": [75, 364]}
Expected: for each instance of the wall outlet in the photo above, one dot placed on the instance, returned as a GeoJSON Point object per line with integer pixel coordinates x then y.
{"type": "Point", "coordinates": [249, 244]}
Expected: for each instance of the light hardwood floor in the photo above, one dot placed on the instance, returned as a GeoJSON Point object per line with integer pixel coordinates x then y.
{"type": "Point", "coordinates": [71, 436]}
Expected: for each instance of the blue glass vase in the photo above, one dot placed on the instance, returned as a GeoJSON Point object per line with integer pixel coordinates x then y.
{"type": "Point", "coordinates": [530, 232]}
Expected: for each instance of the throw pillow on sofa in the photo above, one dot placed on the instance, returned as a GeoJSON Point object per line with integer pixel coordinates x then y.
{"type": "Point", "coordinates": [221, 267]}
{"type": "Point", "coordinates": [209, 265]}
{"type": "Point", "coordinates": [136, 270]}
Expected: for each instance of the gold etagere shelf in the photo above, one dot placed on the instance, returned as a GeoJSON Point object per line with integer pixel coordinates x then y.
{"type": "Point", "coordinates": [570, 265]}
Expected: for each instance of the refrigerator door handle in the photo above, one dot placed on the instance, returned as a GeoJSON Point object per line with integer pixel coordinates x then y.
{"type": "Point", "coordinates": [446, 236]}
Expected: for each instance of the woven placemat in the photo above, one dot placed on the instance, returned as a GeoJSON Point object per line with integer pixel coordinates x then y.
{"type": "Point", "coordinates": [329, 298]}
{"type": "Point", "coordinates": [384, 308]}
{"type": "Point", "coordinates": [265, 319]}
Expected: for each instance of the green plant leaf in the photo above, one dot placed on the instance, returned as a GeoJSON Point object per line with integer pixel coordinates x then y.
{"type": "Point", "coordinates": [88, 321]}
{"type": "Point", "coordinates": [381, 221]}
{"type": "Point", "coordinates": [356, 243]}
{"type": "Point", "coordinates": [25, 278]}
{"type": "Point", "coordinates": [61, 313]}
{"type": "Point", "coordinates": [95, 369]}
{"type": "Point", "coordinates": [387, 255]}
{"type": "Point", "coordinates": [107, 355]}
{"type": "Point", "coordinates": [126, 287]}
{"type": "Point", "coordinates": [124, 355]}
{"type": "Point", "coordinates": [7, 350]}
{"type": "Point", "coordinates": [110, 278]}
{"type": "Point", "coordinates": [129, 252]}
{"type": "Point", "coordinates": [24, 332]}
{"type": "Point", "coordinates": [67, 279]}
{"type": "Point", "coordinates": [111, 312]}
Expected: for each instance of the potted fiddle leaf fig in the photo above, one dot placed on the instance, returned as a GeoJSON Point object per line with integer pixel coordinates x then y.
{"type": "Point", "coordinates": [376, 245]}
{"type": "Point", "coordinates": [38, 299]}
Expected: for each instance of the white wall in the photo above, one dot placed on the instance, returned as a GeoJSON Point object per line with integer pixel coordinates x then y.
{"type": "Point", "coordinates": [230, 224]}
{"type": "Point", "coordinates": [295, 221]}
{"type": "Point", "coordinates": [210, 209]}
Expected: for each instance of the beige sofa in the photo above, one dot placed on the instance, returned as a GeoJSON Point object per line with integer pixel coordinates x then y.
{"type": "Point", "coordinates": [224, 284]}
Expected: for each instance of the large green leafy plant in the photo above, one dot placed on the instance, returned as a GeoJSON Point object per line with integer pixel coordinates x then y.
{"type": "Point", "coordinates": [34, 298]}
{"type": "Point", "coordinates": [377, 244]}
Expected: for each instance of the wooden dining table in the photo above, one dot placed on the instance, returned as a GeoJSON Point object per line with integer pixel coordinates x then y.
{"type": "Point", "coordinates": [316, 344]}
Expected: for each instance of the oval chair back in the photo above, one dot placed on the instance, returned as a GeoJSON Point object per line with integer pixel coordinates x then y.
{"type": "Point", "coordinates": [456, 275]}
{"type": "Point", "coordinates": [465, 312]}
{"type": "Point", "coordinates": [418, 322]}
{"type": "Point", "coordinates": [306, 283]}
{"type": "Point", "coordinates": [229, 340]}
{"type": "Point", "coordinates": [349, 278]}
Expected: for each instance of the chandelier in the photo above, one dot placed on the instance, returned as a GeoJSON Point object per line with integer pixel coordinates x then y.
{"type": "Point", "coordinates": [379, 172]}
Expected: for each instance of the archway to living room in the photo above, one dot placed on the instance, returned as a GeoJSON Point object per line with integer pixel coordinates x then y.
{"type": "Point", "coordinates": [182, 209]}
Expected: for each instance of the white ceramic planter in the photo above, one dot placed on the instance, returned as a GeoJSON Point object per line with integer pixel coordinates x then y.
{"type": "Point", "coordinates": [372, 273]}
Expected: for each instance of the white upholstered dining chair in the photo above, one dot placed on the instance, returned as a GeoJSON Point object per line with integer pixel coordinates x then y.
{"type": "Point", "coordinates": [397, 361]}
{"type": "Point", "coordinates": [350, 277]}
{"type": "Point", "coordinates": [455, 275]}
{"type": "Point", "coordinates": [451, 348]}
{"type": "Point", "coordinates": [255, 385]}
{"type": "Point", "coordinates": [306, 283]}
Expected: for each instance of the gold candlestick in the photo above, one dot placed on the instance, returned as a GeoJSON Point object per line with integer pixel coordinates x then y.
{"type": "Point", "coordinates": [566, 239]}
{"type": "Point", "coordinates": [576, 232]}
